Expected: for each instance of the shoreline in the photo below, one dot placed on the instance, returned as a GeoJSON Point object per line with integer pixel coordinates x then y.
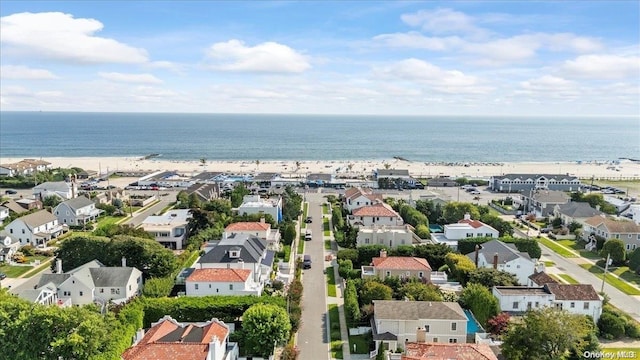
{"type": "Point", "coordinates": [623, 169]}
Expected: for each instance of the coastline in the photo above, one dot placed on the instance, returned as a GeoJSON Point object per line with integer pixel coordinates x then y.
{"type": "Point", "coordinates": [623, 169]}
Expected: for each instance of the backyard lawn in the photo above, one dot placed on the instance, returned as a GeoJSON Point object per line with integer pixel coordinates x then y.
{"type": "Point", "coordinates": [325, 209]}
{"type": "Point", "coordinates": [361, 342]}
{"type": "Point", "coordinates": [13, 271]}
{"type": "Point", "coordinates": [617, 283]}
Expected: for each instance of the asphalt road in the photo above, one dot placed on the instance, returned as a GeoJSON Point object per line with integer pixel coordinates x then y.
{"type": "Point", "coordinates": [312, 336]}
{"type": "Point", "coordinates": [138, 218]}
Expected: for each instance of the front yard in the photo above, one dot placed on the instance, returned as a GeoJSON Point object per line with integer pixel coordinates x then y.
{"type": "Point", "coordinates": [561, 250]}
{"type": "Point", "coordinates": [13, 271]}
{"type": "Point", "coordinates": [615, 282]}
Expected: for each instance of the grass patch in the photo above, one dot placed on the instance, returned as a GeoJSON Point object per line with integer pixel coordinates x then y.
{"type": "Point", "coordinates": [301, 245]}
{"type": "Point", "coordinates": [37, 270]}
{"type": "Point", "coordinates": [579, 248]}
{"type": "Point", "coordinates": [615, 282]}
{"type": "Point", "coordinates": [325, 209]}
{"type": "Point", "coordinates": [549, 263]}
{"type": "Point", "coordinates": [327, 244]}
{"type": "Point", "coordinates": [334, 327]}
{"type": "Point", "coordinates": [568, 279]}
{"type": "Point", "coordinates": [331, 282]}
{"type": "Point", "coordinates": [108, 220]}
{"type": "Point", "coordinates": [560, 250]}
{"type": "Point", "coordinates": [326, 227]}
{"type": "Point", "coordinates": [614, 352]}
{"type": "Point", "coordinates": [287, 252]}
{"type": "Point", "coordinates": [336, 349]}
{"type": "Point", "coordinates": [362, 343]}
{"type": "Point", "coordinates": [191, 259]}
{"type": "Point", "coordinates": [625, 273]}
{"type": "Point", "coordinates": [13, 271]}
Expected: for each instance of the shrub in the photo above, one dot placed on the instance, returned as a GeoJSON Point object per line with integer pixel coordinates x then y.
{"type": "Point", "coordinates": [27, 250]}
{"type": "Point", "coordinates": [158, 287]}
{"type": "Point", "coordinates": [611, 325]}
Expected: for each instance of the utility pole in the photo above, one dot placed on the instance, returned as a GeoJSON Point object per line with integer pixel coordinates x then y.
{"type": "Point", "coordinates": [606, 267]}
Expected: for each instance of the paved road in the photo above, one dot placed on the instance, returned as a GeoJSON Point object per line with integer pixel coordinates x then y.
{"type": "Point", "coordinates": [19, 284]}
{"type": "Point", "coordinates": [138, 218]}
{"type": "Point", "coordinates": [312, 336]}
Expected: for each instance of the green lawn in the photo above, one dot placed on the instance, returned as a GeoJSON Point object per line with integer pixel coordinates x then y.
{"type": "Point", "coordinates": [362, 343]}
{"type": "Point", "coordinates": [331, 282]}
{"type": "Point", "coordinates": [557, 248]}
{"type": "Point", "coordinates": [287, 252]}
{"type": "Point", "coordinates": [326, 227]}
{"type": "Point", "coordinates": [13, 271]}
{"type": "Point", "coordinates": [336, 337]}
{"type": "Point", "coordinates": [38, 270]}
{"type": "Point", "coordinates": [578, 246]}
{"type": "Point", "coordinates": [301, 245]}
{"type": "Point", "coordinates": [549, 263]}
{"type": "Point", "coordinates": [336, 349]}
{"type": "Point", "coordinates": [627, 275]}
{"type": "Point", "coordinates": [108, 220]}
{"type": "Point", "coordinates": [617, 283]}
{"type": "Point", "coordinates": [327, 244]}
{"type": "Point", "coordinates": [568, 279]}
{"type": "Point", "coordinates": [42, 258]}
{"type": "Point", "coordinates": [325, 209]}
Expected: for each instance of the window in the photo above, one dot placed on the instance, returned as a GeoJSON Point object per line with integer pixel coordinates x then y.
{"type": "Point", "coordinates": [81, 293]}
{"type": "Point", "coordinates": [469, 235]}
{"type": "Point", "coordinates": [11, 231]}
{"type": "Point", "coordinates": [435, 339]}
{"type": "Point", "coordinates": [366, 240]}
{"type": "Point", "coordinates": [628, 246]}
{"type": "Point", "coordinates": [23, 231]}
{"type": "Point", "coordinates": [209, 286]}
{"type": "Point", "coordinates": [453, 341]}
{"type": "Point", "coordinates": [427, 328]}
{"type": "Point", "coordinates": [537, 304]}
{"type": "Point", "coordinates": [196, 286]}
{"type": "Point", "coordinates": [515, 305]}
{"type": "Point", "coordinates": [230, 286]}
{"type": "Point", "coordinates": [388, 273]}
{"type": "Point", "coordinates": [586, 305]}
{"type": "Point", "coordinates": [217, 290]}
{"type": "Point", "coordinates": [101, 291]}
{"type": "Point", "coordinates": [420, 274]}
{"type": "Point", "coordinates": [454, 326]}
{"type": "Point", "coordinates": [528, 305]}
{"type": "Point", "coordinates": [129, 287]}
{"type": "Point", "coordinates": [572, 305]}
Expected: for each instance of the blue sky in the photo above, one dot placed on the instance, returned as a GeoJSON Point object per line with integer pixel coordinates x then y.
{"type": "Point", "coordinates": [336, 57]}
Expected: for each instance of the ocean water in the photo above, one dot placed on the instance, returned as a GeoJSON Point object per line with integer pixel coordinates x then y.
{"type": "Point", "coordinates": [318, 137]}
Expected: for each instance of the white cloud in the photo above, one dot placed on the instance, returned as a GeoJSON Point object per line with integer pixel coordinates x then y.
{"type": "Point", "coordinates": [25, 73]}
{"type": "Point", "coordinates": [268, 57]}
{"type": "Point", "coordinates": [416, 40]}
{"type": "Point", "coordinates": [603, 67]}
{"type": "Point", "coordinates": [59, 36]}
{"type": "Point", "coordinates": [547, 82]}
{"type": "Point", "coordinates": [442, 21]}
{"type": "Point", "coordinates": [130, 78]}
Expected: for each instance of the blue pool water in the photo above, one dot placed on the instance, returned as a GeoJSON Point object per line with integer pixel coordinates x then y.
{"type": "Point", "coordinates": [435, 228]}
{"type": "Point", "coordinates": [472, 325]}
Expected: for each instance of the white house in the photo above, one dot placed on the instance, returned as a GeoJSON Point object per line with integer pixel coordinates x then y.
{"type": "Point", "coordinates": [169, 229]}
{"type": "Point", "coordinates": [625, 230]}
{"type": "Point", "coordinates": [36, 228]}
{"type": "Point", "coordinates": [377, 214]}
{"type": "Point", "coordinates": [4, 213]}
{"type": "Point", "coordinates": [169, 339]}
{"type": "Point", "coordinates": [62, 189]}
{"type": "Point", "coordinates": [254, 204]}
{"type": "Point", "coordinates": [465, 228]}
{"type": "Point", "coordinates": [76, 211]}
{"type": "Point", "coordinates": [579, 299]}
{"type": "Point", "coordinates": [355, 198]}
{"type": "Point", "coordinates": [259, 229]}
{"type": "Point", "coordinates": [634, 211]}
{"type": "Point", "coordinates": [395, 322]}
{"type": "Point", "coordinates": [207, 282]}
{"type": "Point", "coordinates": [8, 246]}
{"type": "Point", "coordinates": [391, 236]}
{"type": "Point", "coordinates": [505, 257]}
{"type": "Point", "coordinates": [23, 167]}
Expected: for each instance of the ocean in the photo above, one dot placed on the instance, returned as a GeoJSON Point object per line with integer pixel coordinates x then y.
{"type": "Point", "coordinates": [318, 137]}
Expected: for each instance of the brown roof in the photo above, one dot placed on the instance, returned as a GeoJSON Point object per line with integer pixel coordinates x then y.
{"type": "Point", "coordinates": [440, 351]}
{"type": "Point", "coordinates": [220, 275]}
{"type": "Point", "coordinates": [248, 226]}
{"type": "Point", "coordinates": [474, 223]}
{"type": "Point", "coordinates": [401, 263]}
{"type": "Point", "coordinates": [38, 218]}
{"type": "Point", "coordinates": [377, 210]}
{"type": "Point", "coordinates": [171, 340]}
{"type": "Point", "coordinates": [353, 193]}
{"type": "Point", "coordinates": [573, 291]}
{"type": "Point", "coordinates": [614, 226]}
{"type": "Point", "coordinates": [542, 278]}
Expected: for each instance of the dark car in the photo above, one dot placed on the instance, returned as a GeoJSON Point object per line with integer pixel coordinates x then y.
{"type": "Point", "coordinates": [3, 276]}
{"type": "Point", "coordinates": [308, 220]}
{"type": "Point", "coordinates": [306, 263]}
{"type": "Point", "coordinates": [10, 192]}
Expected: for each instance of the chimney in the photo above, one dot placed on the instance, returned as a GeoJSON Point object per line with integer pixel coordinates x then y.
{"type": "Point", "coordinates": [477, 252]}
{"type": "Point", "coordinates": [495, 261]}
{"type": "Point", "coordinates": [421, 335]}
{"type": "Point", "coordinates": [58, 266]}
{"type": "Point", "coordinates": [383, 253]}
{"type": "Point", "coordinates": [262, 220]}
{"type": "Point", "coordinates": [124, 261]}
{"type": "Point", "coordinates": [467, 216]}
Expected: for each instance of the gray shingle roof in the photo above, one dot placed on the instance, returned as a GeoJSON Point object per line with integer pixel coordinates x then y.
{"type": "Point", "coordinates": [557, 177]}
{"type": "Point", "coordinates": [38, 218]}
{"type": "Point", "coordinates": [78, 202]}
{"type": "Point", "coordinates": [251, 249]}
{"type": "Point", "coordinates": [578, 210]}
{"type": "Point", "coordinates": [56, 279]}
{"type": "Point", "coordinates": [551, 196]}
{"type": "Point", "coordinates": [61, 186]}
{"type": "Point", "coordinates": [414, 310]}
{"type": "Point", "coordinates": [506, 252]}
{"type": "Point", "coordinates": [111, 276]}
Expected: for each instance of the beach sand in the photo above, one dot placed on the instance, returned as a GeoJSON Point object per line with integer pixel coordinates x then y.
{"type": "Point", "coordinates": [624, 170]}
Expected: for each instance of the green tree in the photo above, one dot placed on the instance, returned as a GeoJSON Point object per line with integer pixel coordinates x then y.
{"type": "Point", "coordinates": [373, 290]}
{"type": "Point", "coordinates": [200, 220]}
{"type": "Point", "coordinates": [289, 234]}
{"type": "Point", "coordinates": [634, 260]}
{"type": "Point", "coordinates": [418, 291]}
{"type": "Point", "coordinates": [460, 266]}
{"type": "Point", "coordinates": [480, 301]}
{"type": "Point", "coordinates": [547, 334]}
{"type": "Point", "coordinates": [422, 231]}
{"type": "Point", "coordinates": [434, 253]}
{"type": "Point", "coordinates": [51, 201]}
{"type": "Point", "coordinates": [504, 227]}
{"type": "Point", "coordinates": [218, 206]}
{"type": "Point", "coordinates": [264, 327]}
{"type": "Point", "coordinates": [194, 201]}
{"type": "Point", "coordinates": [614, 248]}
{"type": "Point", "coordinates": [351, 307]}
{"type": "Point", "coordinates": [611, 325]}
{"type": "Point", "coordinates": [182, 200]}
{"type": "Point", "coordinates": [455, 211]}
{"type": "Point", "coordinates": [291, 204]}
{"type": "Point", "coordinates": [237, 194]}
{"type": "Point", "coordinates": [489, 277]}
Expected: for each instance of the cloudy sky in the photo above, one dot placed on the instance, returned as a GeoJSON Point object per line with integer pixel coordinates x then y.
{"type": "Point", "coordinates": [347, 57]}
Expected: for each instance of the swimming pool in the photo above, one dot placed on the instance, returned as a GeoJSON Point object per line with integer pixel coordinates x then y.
{"type": "Point", "coordinates": [435, 228]}
{"type": "Point", "coordinates": [472, 325]}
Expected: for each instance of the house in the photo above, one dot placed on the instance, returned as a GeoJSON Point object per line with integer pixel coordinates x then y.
{"type": "Point", "coordinates": [261, 229]}
{"type": "Point", "coordinates": [422, 350]}
{"type": "Point", "coordinates": [4, 213]}
{"type": "Point", "coordinates": [43, 295]}
{"type": "Point", "coordinates": [394, 178]}
{"type": "Point", "coordinates": [504, 257]}
{"type": "Point", "coordinates": [165, 179]}
{"type": "Point", "coordinates": [625, 230]}
{"type": "Point", "coordinates": [465, 228]}
{"type": "Point", "coordinates": [254, 204]}
{"type": "Point", "coordinates": [634, 213]}
{"type": "Point", "coordinates": [240, 251]}
{"type": "Point", "coordinates": [23, 167]}
{"type": "Point", "coordinates": [265, 179]}
{"type": "Point", "coordinates": [620, 204]}
{"type": "Point", "coordinates": [170, 228]}
{"type": "Point", "coordinates": [540, 278]}
{"type": "Point", "coordinates": [319, 180]}
{"type": "Point", "coordinates": [36, 228]}
{"type": "Point", "coordinates": [404, 267]}
{"type": "Point", "coordinates": [394, 322]}
{"type": "Point", "coordinates": [208, 177]}
{"type": "Point", "coordinates": [575, 211]}
{"type": "Point", "coordinates": [204, 192]}
{"type": "Point", "coordinates": [392, 174]}
{"type": "Point", "coordinates": [377, 214]}
{"type": "Point", "coordinates": [391, 236]}
{"type": "Point", "coordinates": [109, 195]}
{"type": "Point", "coordinates": [77, 211]}
{"type": "Point", "coordinates": [87, 174]}
{"type": "Point", "coordinates": [62, 189]}
{"type": "Point", "coordinates": [579, 299]}
{"type": "Point", "coordinates": [524, 183]}
{"type": "Point", "coordinates": [29, 204]}
{"type": "Point", "coordinates": [542, 202]}
{"type": "Point", "coordinates": [355, 198]}
{"type": "Point", "coordinates": [12, 205]}
{"type": "Point", "coordinates": [169, 339]}
{"type": "Point", "coordinates": [212, 281]}
{"type": "Point", "coordinates": [93, 282]}
{"type": "Point", "coordinates": [8, 246]}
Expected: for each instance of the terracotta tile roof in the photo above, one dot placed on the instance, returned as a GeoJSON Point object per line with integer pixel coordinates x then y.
{"type": "Point", "coordinates": [220, 275]}
{"type": "Point", "coordinates": [177, 351]}
{"type": "Point", "coordinates": [614, 226]}
{"type": "Point", "coordinates": [248, 226]}
{"type": "Point", "coordinates": [542, 278]}
{"type": "Point", "coordinates": [377, 210]}
{"type": "Point", "coordinates": [573, 291]}
{"type": "Point", "coordinates": [473, 223]}
{"type": "Point", "coordinates": [439, 351]}
{"type": "Point", "coordinates": [401, 263]}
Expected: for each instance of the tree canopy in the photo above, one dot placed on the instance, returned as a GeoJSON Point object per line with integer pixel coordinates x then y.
{"type": "Point", "coordinates": [480, 301]}
{"type": "Point", "coordinates": [265, 326]}
{"type": "Point", "coordinates": [489, 277]}
{"type": "Point", "coordinates": [455, 211]}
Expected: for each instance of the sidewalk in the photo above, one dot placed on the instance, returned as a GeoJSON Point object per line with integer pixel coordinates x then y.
{"type": "Point", "coordinates": [339, 300]}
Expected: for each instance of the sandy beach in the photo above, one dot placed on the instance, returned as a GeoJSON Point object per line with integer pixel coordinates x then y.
{"type": "Point", "coordinates": [623, 169]}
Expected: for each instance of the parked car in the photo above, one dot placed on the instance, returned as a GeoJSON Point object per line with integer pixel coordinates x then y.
{"type": "Point", "coordinates": [10, 192]}
{"type": "Point", "coordinates": [3, 276]}
{"type": "Point", "coordinates": [308, 236]}
{"type": "Point", "coordinates": [306, 262]}
{"type": "Point", "coordinates": [308, 220]}
{"type": "Point", "coordinates": [545, 230]}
